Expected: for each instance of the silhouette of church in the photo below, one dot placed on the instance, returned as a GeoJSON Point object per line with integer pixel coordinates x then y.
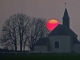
{"type": "Point", "coordinates": [61, 40]}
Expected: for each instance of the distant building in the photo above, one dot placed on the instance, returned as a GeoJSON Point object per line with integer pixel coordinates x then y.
{"type": "Point", "coordinates": [61, 40]}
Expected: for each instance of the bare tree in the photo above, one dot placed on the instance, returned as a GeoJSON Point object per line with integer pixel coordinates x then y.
{"type": "Point", "coordinates": [21, 30]}
{"type": "Point", "coordinates": [37, 30]}
{"type": "Point", "coordinates": [14, 29]}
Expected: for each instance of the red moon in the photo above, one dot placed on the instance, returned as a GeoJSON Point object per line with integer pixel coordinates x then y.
{"type": "Point", "coordinates": [52, 24]}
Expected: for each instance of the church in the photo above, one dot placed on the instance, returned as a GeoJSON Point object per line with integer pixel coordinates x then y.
{"type": "Point", "coordinates": [60, 40]}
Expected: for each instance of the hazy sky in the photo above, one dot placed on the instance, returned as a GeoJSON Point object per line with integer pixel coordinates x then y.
{"type": "Point", "coordinates": [42, 8]}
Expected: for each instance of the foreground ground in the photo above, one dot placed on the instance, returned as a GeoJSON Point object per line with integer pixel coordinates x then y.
{"type": "Point", "coordinates": [40, 57]}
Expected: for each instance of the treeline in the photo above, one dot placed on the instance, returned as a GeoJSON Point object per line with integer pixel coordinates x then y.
{"type": "Point", "coordinates": [20, 30]}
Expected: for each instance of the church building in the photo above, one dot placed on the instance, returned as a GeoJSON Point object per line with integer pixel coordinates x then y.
{"type": "Point", "coordinates": [60, 40]}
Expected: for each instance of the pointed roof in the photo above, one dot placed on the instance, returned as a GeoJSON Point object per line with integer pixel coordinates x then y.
{"type": "Point", "coordinates": [62, 30]}
{"type": "Point", "coordinates": [66, 16]}
{"type": "Point", "coordinates": [75, 40]}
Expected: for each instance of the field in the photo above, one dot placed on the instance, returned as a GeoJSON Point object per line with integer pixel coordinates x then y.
{"type": "Point", "coordinates": [40, 57]}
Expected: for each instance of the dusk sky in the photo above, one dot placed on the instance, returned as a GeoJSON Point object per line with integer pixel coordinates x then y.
{"type": "Point", "coordinates": [44, 9]}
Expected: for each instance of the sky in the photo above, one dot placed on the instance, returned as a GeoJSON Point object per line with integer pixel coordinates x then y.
{"type": "Point", "coordinates": [42, 9]}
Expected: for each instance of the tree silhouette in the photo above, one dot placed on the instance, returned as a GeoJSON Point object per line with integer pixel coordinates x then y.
{"type": "Point", "coordinates": [22, 30]}
{"type": "Point", "coordinates": [37, 30]}
{"type": "Point", "coordinates": [14, 29]}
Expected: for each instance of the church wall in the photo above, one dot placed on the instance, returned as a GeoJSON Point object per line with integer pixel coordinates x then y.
{"type": "Point", "coordinates": [64, 44]}
{"type": "Point", "coordinates": [76, 48]}
{"type": "Point", "coordinates": [40, 48]}
{"type": "Point", "coordinates": [72, 45]}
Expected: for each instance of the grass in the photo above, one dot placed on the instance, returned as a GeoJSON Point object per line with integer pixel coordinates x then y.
{"type": "Point", "coordinates": [40, 57]}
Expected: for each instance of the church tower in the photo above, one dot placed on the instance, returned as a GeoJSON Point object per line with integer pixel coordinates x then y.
{"type": "Point", "coordinates": [66, 18]}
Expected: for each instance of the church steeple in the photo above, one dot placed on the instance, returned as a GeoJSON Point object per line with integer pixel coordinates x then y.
{"type": "Point", "coordinates": [66, 18]}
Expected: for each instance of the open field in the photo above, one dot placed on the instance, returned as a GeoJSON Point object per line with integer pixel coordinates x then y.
{"type": "Point", "coordinates": [40, 57]}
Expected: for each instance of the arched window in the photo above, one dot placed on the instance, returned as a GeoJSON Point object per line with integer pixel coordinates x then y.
{"type": "Point", "coordinates": [56, 44]}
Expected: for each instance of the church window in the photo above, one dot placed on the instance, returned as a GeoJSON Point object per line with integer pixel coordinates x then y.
{"type": "Point", "coordinates": [56, 44]}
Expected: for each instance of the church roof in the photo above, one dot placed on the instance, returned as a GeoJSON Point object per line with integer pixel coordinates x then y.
{"type": "Point", "coordinates": [75, 40]}
{"type": "Point", "coordinates": [42, 42]}
{"type": "Point", "coordinates": [62, 30]}
{"type": "Point", "coordinates": [65, 16]}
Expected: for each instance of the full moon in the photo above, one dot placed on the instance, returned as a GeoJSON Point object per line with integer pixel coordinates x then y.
{"type": "Point", "coordinates": [52, 24]}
